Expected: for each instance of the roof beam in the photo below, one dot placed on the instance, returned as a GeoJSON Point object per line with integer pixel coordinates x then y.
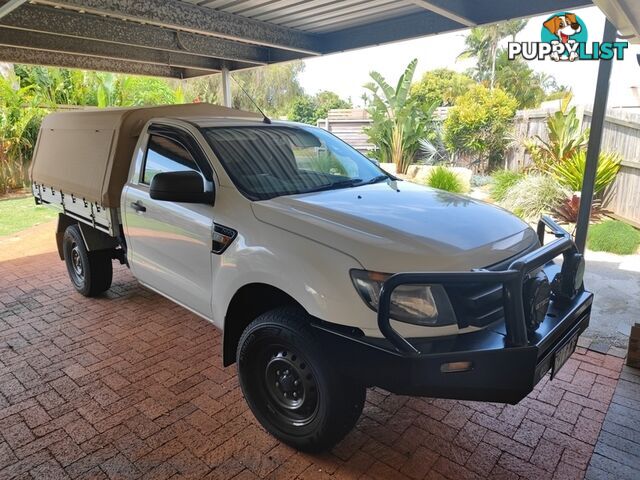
{"type": "Point", "coordinates": [192, 18]}
{"type": "Point", "coordinates": [56, 43]}
{"type": "Point", "coordinates": [58, 21]}
{"type": "Point", "coordinates": [417, 25]}
{"type": "Point", "coordinates": [9, 6]}
{"type": "Point", "coordinates": [386, 31]}
{"type": "Point", "coordinates": [452, 9]}
{"type": "Point", "coordinates": [68, 60]}
{"type": "Point", "coordinates": [492, 11]}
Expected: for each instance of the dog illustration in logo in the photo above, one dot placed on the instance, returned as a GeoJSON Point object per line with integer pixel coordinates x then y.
{"type": "Point", "coordinates": [563, 27]}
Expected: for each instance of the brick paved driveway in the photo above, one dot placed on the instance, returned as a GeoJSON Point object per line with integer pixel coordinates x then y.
{"type": "Point", "coordinates": [130, 385]}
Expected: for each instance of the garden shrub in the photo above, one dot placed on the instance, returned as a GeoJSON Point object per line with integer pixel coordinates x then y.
{"type": "Point", "coordinates": [570, 172]}
{"type": "Point", "coordinates": [566, 139]}
{"type": "Point", "coordinates": [444, 178]}
{"type": "Point", "coordinates": [481, 180]}
{"type": "Point", "coordinates": [479, 124]}
{"type": "Point", "coordinates": [534, 195]}
{"type": "Point", "coordinates": [613, 236]}
{"type": "Point", "coordinates": [441, 86]}
{"type": "Point", "coordinates": [503, 180]}
{"type": "Point", "coordinates": [569, 209]}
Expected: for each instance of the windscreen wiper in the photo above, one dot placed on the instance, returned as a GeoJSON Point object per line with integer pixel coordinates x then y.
{"type": "Point", "coordinates": [339, 184]}
{"type": "Point", "coordinates": [379, 178]}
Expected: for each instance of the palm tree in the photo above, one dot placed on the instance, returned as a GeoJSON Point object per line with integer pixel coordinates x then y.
{"type": "Point", "coordinates": [482, 44]}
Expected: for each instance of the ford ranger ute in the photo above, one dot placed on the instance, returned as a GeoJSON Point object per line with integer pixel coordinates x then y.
{"type": "Point", "coordinates": [326, 274]}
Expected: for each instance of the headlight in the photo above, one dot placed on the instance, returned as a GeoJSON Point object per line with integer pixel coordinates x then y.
{"type": "Point", "coordinates": [418, 304]}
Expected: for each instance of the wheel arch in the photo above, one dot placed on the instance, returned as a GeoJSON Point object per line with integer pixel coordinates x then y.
{"type": "Point", "coordinates": [249, 301]}
{"type": "Point", "coordinates": [64, 221]}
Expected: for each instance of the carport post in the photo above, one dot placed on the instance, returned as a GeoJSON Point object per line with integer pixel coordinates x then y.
{"type": "Point", "coordinates": [595, 139]}
{"type": "Point", "coordinates": [226, 87]}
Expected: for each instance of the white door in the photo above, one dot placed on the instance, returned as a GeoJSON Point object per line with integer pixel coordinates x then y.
{"type": "Point", "coordinates": [169, 243]}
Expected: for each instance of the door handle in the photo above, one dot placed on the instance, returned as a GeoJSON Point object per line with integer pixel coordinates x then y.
{"type": "Point", "coordinates": [138, 207]}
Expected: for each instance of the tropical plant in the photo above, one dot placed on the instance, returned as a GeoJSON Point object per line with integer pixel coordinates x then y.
{"type": "Point", "coordinates": [59, 86]}
{"type": "Point", "coordinates": [569, 208]}
{"type": "Point", "coordinates": [566, 139]}
{"type": "Point", "coordinates": [19, 119]}
{"type": "Point", "coordinates": [444, 178]}
{"type": "Point", "coordinates": [570, 172]}
{"type": "Point", "coordinates": [441, 86]}
{"type": "Point", "coordinates": [613, 236]}
{"type": "Point", "coordinates": [479, 124]}
{"type": "Point", "coordinates": [432, 148]}
{"type": "Point", "coordinates": [503, 180]}
{"type": "Point", "coordinates": [398, 123]}
{"type": "Point", "coordinates": [534, 195]}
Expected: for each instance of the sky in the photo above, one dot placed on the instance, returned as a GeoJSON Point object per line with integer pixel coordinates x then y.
{"type": "Point", "coordinates": [345, 73]}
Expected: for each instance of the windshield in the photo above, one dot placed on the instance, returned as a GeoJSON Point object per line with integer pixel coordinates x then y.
{"type": "Point", "coordinates": [269, 161]}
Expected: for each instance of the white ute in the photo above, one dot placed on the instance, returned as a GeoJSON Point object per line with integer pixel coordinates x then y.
{"type": "Point", "coordinates": [326, 274]}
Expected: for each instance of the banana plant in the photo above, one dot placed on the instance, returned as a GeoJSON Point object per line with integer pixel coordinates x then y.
{"type": "Point", "coordinates": [398, 123]}
{"type": "Point", "coordinates": [566, 139]}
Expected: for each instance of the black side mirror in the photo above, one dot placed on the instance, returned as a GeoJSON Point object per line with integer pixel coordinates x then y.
{"type": "Point", "coordinates": [187, 187]}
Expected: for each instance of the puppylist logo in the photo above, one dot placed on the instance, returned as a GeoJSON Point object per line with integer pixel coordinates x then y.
{"type": "Point", "coordinates": [565, 38]}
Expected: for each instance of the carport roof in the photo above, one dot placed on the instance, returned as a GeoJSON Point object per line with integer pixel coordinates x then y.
{"type": "Point", "coordinates": [187, 38]}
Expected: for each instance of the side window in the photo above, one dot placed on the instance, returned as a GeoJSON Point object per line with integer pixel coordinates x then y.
{"type": "Point", "coordinates": [166, 155]}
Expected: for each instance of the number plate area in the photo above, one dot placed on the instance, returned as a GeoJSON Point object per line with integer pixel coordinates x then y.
{"type": "Point", "coordinates": [563, 354]}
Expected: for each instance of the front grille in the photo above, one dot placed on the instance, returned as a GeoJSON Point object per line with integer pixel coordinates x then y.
{"type": "Point", "coordinates": [481, 304]}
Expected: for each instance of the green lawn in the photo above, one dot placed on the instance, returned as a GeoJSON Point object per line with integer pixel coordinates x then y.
{"type": "Point", "coordinates": [19, 213]}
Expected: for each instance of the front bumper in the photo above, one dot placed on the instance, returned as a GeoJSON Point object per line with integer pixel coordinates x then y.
{"type": "Point", "coordinates": [505, 362]}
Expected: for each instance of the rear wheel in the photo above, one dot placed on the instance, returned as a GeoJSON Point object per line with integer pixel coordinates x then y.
{"type": "Point", "coordinates": [90, 272]}
{"type": "Point", "coordinates": [291, 385]}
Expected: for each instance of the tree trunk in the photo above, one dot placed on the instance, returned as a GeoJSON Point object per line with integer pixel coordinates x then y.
{"type": "Point", "coordinates": [494, 53]}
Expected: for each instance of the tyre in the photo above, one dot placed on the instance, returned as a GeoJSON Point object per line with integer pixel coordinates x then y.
{"type": "Point", "coordinates": [90, 272]}
{"type": "Point", "coordinates": [291, 385]}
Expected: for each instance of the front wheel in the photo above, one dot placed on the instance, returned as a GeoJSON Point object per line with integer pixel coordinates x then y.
{"type": "Point", "coordinates": [291, 385]}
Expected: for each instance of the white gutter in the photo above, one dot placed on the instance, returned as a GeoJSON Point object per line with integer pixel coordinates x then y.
{"type": "Point", "coordinates": [625, 15]}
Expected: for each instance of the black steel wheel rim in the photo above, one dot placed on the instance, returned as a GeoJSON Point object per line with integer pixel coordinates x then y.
{"type": "Point", "coordinates": [76, 264]}
{"type": "Point", "coordinates": [290, 387]}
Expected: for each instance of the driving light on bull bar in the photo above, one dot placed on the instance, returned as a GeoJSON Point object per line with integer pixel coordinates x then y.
{"type": "Point", "coordinates": [417, 304]}
{"type": "Point", "coordinates": [569, 281]}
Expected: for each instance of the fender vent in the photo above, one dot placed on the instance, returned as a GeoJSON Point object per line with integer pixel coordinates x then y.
{"type": "Point", "coordinates": [221, 238]}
